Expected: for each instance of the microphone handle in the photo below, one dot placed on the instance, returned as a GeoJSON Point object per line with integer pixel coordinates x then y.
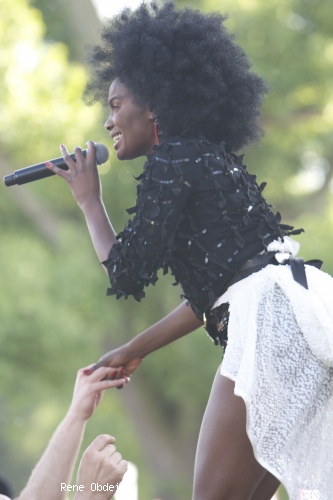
{"type": "Point", "coordinates": [36, 172]}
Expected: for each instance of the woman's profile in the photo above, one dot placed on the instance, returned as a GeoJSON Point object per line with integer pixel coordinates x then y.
{"type": "Point", "coordinates": [181, 92]}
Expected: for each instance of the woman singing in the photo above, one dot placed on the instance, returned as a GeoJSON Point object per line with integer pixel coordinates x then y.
{"type": "Point", "coordinates": [181, 93]}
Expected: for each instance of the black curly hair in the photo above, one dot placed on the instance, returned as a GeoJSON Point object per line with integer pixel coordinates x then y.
{"type": "Point", "coordinates": [185, 67]}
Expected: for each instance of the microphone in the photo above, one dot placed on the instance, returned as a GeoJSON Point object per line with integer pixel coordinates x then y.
{"type": "Point", "coordinates": [40, 171]}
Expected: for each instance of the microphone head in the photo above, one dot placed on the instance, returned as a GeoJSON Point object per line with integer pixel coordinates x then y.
{"type": "Point", "coordinates": [102, 153]}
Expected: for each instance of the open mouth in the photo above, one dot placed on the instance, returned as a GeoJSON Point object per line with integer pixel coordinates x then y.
{"type": "Point", "coordinates": [117, 137]}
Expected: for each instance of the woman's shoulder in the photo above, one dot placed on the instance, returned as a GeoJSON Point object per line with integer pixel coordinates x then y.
{"type": "Point", "coordinates": [190, 158]}
{"type": "Point", "coordinates": [185, 149]}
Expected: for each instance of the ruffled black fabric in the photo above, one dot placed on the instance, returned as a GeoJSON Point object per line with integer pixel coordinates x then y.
{"type": "Point", "coordinates": [217, 324]}
{"type": "Point", "coordinates": [199, 214]}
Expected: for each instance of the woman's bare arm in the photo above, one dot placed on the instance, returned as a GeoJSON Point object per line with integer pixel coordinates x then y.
{"type": "Point", "coordinates": [175, 325]}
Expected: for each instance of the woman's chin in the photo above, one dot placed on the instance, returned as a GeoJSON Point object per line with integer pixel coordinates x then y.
{"type": "Point", "coordinates": [120, 153]}
{"type": "Point", "coordinates": [126, 155]}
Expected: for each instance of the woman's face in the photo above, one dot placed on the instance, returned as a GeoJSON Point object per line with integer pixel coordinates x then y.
{"type": "Point", "coordinates": [130, 125]}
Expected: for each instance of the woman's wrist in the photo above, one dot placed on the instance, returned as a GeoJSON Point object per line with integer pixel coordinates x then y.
{"type": "Point", "coordinates": [145, 343]}
{"type": "Point", "coordinates": [134, 349]}
{"type": "Point", "coordinates": [91, 204]}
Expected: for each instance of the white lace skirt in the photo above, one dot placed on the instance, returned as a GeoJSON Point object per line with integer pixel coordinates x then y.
{"type": "Point", "coordinates": [280, 356]}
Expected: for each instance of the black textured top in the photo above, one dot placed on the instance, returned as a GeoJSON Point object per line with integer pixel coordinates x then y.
{"type": "Point", "coordinates": [200, 214]}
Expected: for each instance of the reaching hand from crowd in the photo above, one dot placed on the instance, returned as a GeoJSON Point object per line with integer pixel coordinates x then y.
{"type": "Point", "coordinates": [89, 389]}
{"type": "Point", "coordinates": [52, 475]}
{"type": "Point", "coordinates": [101, 470]}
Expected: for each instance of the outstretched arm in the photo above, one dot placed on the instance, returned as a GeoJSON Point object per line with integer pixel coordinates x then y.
{"type": "Point", "coordinates": [55, 468]}
{"type": "Point", "coordinates": [175, 325]}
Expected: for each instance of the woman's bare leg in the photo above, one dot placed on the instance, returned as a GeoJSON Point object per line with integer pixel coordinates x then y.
{"type": "Point", "coordinates": [225, 467]}
{"type": "Point", "coordinates": [266, 489]}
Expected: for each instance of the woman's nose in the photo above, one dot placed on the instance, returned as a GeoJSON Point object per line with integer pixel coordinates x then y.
{"type": "Point", "coordinates": [109, 123]}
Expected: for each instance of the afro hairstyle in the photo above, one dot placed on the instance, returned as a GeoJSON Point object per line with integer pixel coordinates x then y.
{"type": "Point", "coordinates": [185, 67]}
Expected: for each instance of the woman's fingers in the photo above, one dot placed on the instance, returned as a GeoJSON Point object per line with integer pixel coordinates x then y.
{"type": "Point", "coordinates": [79, 156]}
{"type": "Point", "coordinates": [108, 384]}
{"type": "Point", "coordinates": [103, 372]}
{"type": "Point", "coordinates": [113, 377]}
{"type": "Point", "coordinates": [91, 153]}
{"type": "Point", "coordinates": [103, 361]}
{"type": "Point", "coordinates": [65, 174]}
{"type": "Point", "coordinates": [70, 162]}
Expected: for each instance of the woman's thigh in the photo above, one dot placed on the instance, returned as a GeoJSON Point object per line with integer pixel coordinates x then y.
{"type": "Point", "coordinates": [225, 466]}
{"type": "Point", "coordinates": [267, 487]}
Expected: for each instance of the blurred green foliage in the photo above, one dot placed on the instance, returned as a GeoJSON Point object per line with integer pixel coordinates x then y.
{"type": "Point", "coordinates": [54, 314]}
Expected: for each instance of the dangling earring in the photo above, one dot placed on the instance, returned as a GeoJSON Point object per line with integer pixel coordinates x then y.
{"type": "Point", "coordinates": [156, 132]}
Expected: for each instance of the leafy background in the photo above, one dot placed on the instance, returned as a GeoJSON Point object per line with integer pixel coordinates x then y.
{"type": "Point", "coordinates": [54, 314]}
